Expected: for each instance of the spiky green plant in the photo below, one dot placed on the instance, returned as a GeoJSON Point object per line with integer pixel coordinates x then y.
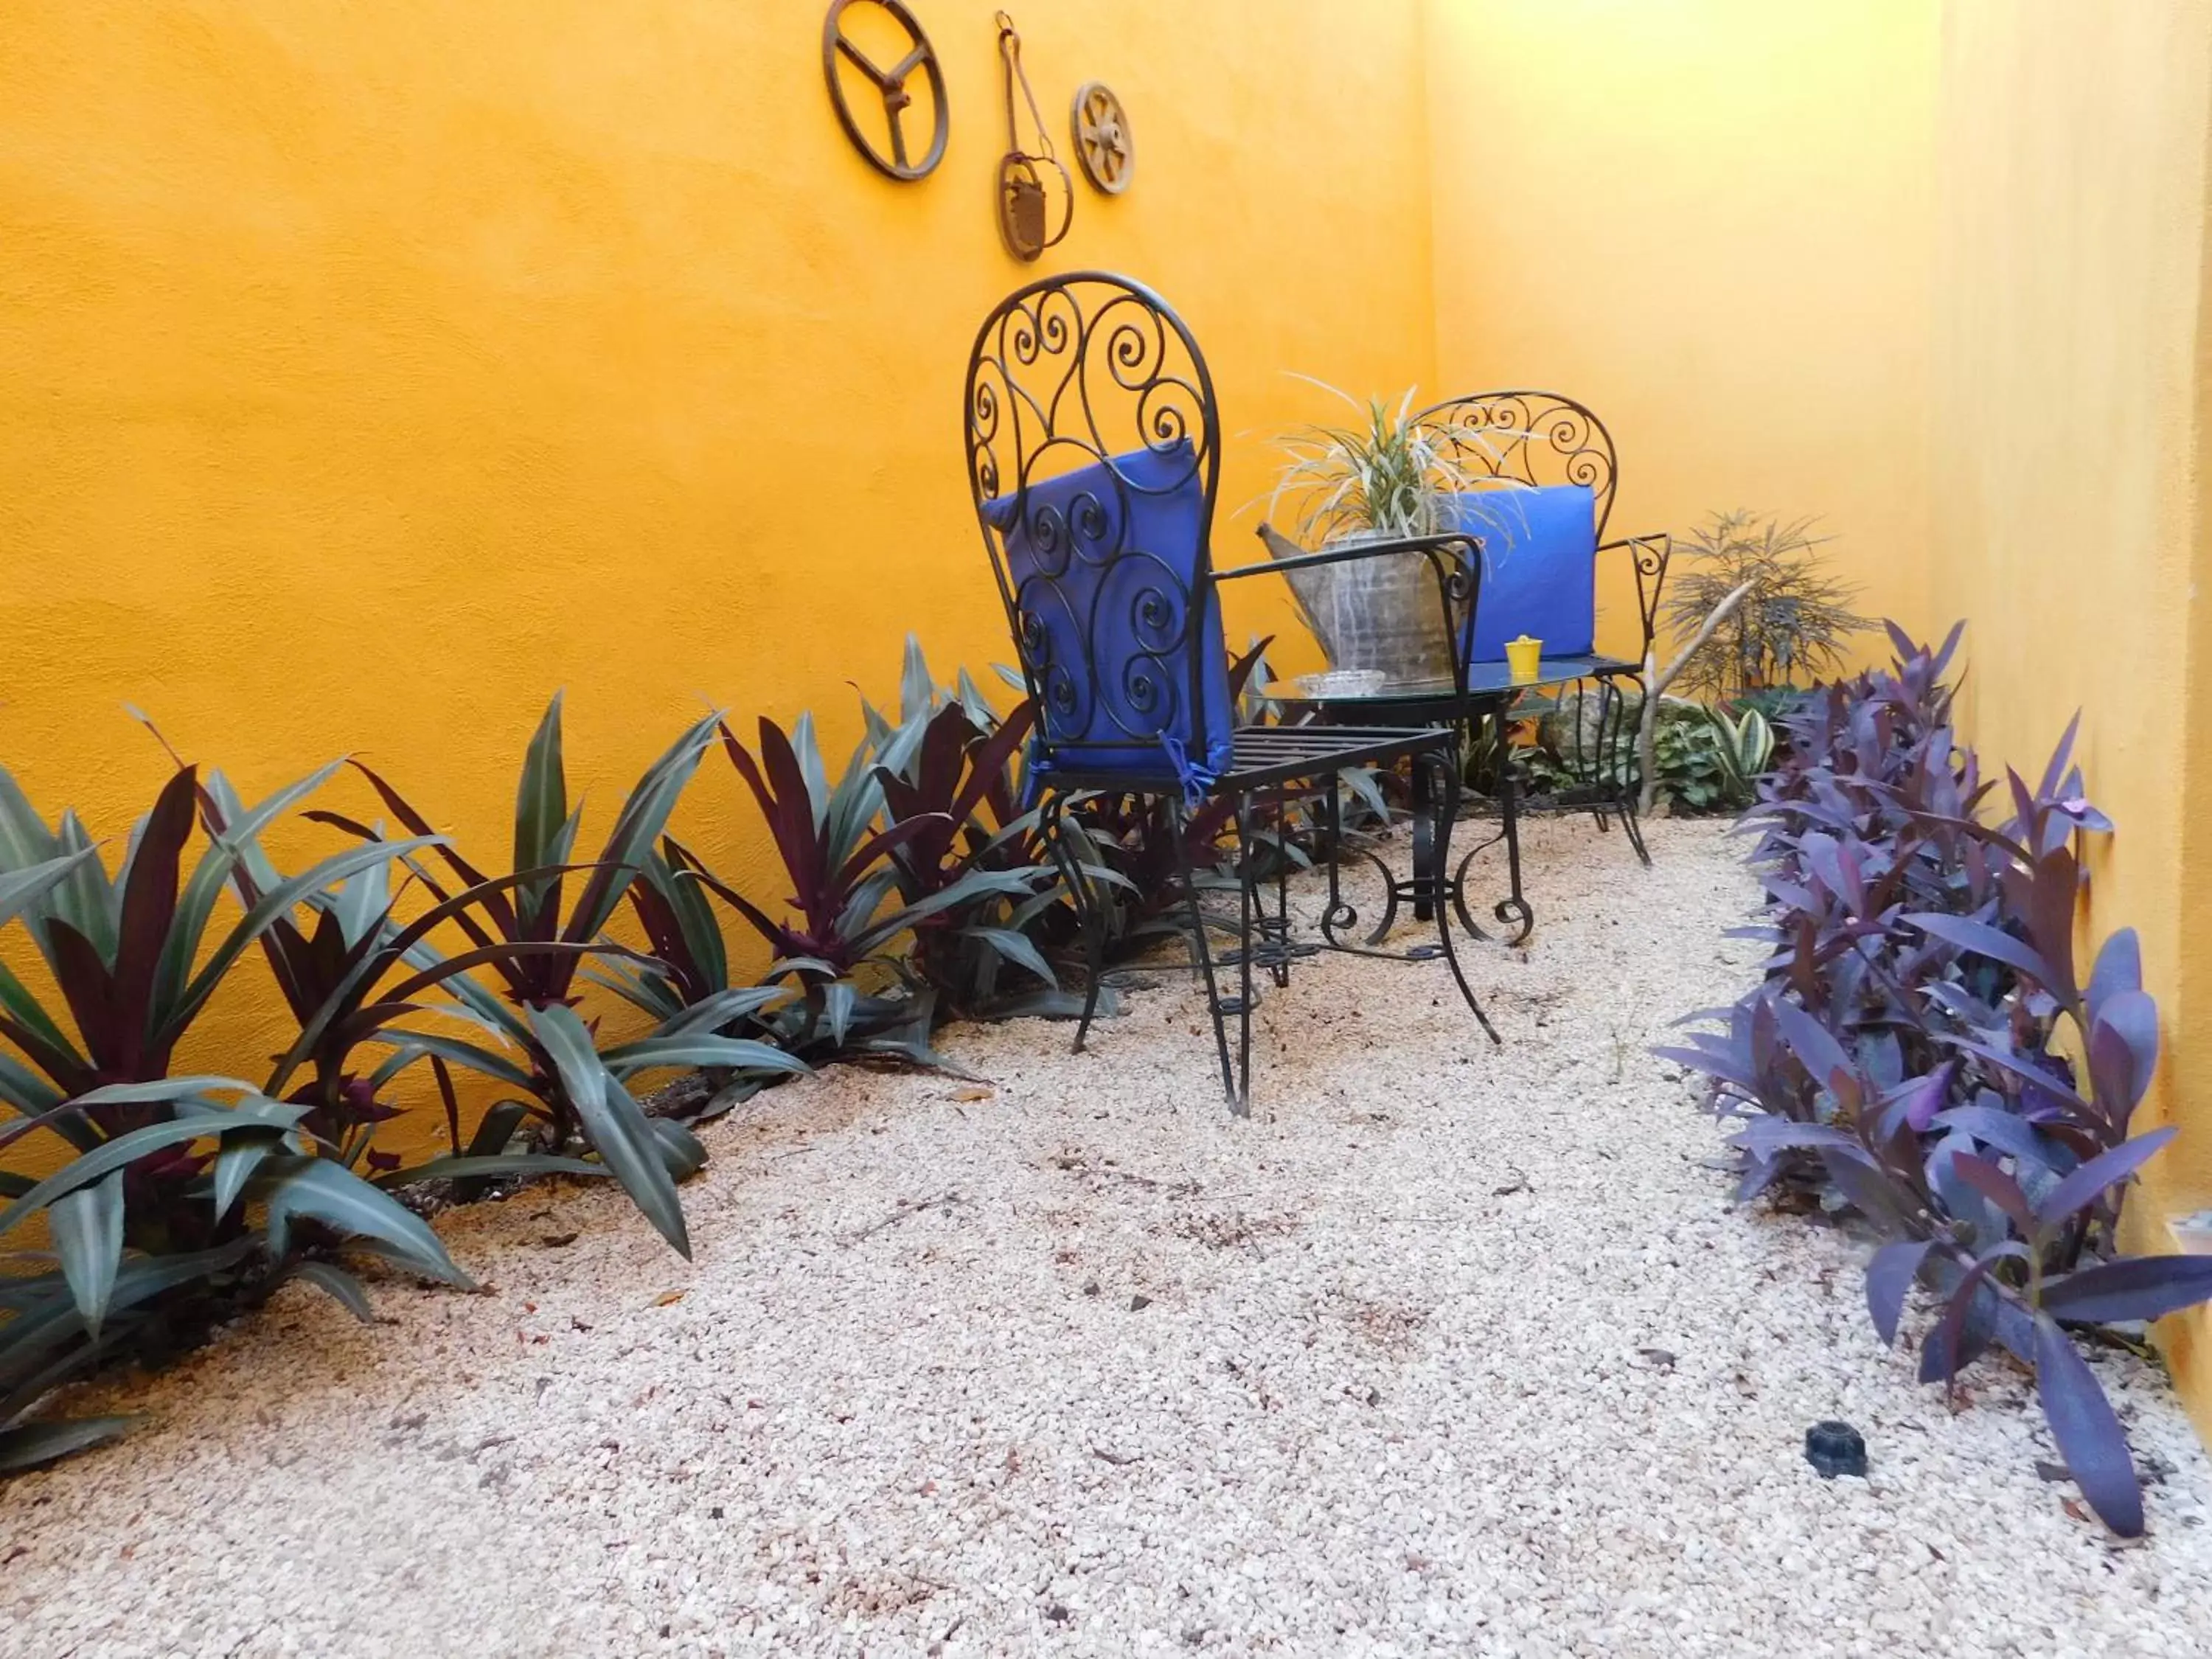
{"type": "Point", "coordinates": [571, 1094]}
{"type": "Point", "coordinates": [1793, 626]}
{"type": "Point", "coordinates": [1389, 473]}
{"type": "Point", "coordinates": [179, 1189]}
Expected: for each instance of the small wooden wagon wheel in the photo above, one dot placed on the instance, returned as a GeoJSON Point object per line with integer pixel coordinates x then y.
{"type": "Point", "coordinates": [891, 83]}
{"type": "Point", "coordinates": [1103, 142]}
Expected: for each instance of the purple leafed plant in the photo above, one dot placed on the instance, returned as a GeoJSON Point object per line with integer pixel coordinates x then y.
{"type": "Point", "coordinates": [908, 875]}
{"type": "Point", "coordinates": [1910, 1054]}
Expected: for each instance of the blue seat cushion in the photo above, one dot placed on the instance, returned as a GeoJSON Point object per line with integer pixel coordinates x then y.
{"type": "Point", "coordinates": [1538, 567]}
{"type": "Point", "coordinates": [1104, 562]}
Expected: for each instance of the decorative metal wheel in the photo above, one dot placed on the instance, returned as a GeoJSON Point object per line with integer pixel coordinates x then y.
{"type": "Point", "coordinates": [1103, 142]}
{"type": "Point", "coordinates": [920, 56]}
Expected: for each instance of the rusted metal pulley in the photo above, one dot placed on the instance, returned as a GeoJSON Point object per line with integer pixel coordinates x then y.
{"type": "Point", "coordinates": [1025, 201]}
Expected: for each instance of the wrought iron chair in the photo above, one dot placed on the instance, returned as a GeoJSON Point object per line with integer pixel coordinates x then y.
{"type": "Point", "coordinates": [1554, 445]}
{"type": "Point", "coordinates": [1093, 442]}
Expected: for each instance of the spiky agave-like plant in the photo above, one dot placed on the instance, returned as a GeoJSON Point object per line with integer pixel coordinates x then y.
{"type": "Point", "coordinates": [1794, 623]}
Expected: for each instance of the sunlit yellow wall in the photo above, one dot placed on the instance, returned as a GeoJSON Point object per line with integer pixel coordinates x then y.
{"type": "Point", "coordinates": [2069, 390]}
{"type": "Point", "coordinates": [1709, 220]}
{"type": "Point", "coordinates": [1932, 270]}
{"type": "Point", "coordinates": [368, 371]}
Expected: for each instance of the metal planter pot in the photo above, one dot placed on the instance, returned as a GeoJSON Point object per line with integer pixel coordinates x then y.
{"type": "Point", "coordinates": [1382, 613]}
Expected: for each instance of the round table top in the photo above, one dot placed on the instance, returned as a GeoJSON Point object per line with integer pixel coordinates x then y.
{"type": "Point", "coordinates": [1487, 682]}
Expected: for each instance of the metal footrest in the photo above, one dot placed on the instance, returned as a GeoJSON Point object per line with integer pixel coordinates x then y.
{"type": "Point", "coordinates": [1267, 954]}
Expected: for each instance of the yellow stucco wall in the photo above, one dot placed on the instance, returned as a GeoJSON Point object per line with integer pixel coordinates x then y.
{"type": "Point", "coordinates": [368, 371]}
{"type": "Point", "coordinates": [1932, 270]}
{"type": "Point", "coordinates": [1709, 220]}
{"type": "Point", "coordinates": [2069, 519]}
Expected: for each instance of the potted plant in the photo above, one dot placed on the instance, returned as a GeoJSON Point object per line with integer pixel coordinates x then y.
{"type": "Point", "coordinates": [1385, 477]}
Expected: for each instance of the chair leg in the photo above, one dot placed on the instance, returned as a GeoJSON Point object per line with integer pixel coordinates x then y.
{"type": "Point", "coordinates": [1624, 801]}
{"type": "Point", "coordinates": [1278, 928]}
{"type": "Point", "coordinates": [1247, 907]}
{"type": "Point", "coordinates": [1448, 812]}
{"type": "Point", "coordinates": [1594, 765]}
{"type": "Point", "coordinates": [1086, 910]}
{"type": "Point", "coordinates": [1634, 826]}
{"type": "Point", "coordinates": [1178, 829]}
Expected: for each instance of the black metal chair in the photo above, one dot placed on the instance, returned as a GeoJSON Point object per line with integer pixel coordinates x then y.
{"type": "Point", "coordinates": [1536, 438]}
{"type": "Point", "coordinates": [1093, 442]}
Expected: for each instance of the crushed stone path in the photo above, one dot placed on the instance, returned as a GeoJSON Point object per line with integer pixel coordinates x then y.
{"type": "Point", "coordinates": [1449, 1350]}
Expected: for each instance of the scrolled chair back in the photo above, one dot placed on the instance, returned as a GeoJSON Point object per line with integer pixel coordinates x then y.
{"type": "Point", "coordinates": [1529, 437]}
{"type": "Point", "coordinates": [1093, 446]}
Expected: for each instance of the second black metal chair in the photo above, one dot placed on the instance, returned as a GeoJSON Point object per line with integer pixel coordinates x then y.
{"type": "Point", "coordinates": [1550, 444]}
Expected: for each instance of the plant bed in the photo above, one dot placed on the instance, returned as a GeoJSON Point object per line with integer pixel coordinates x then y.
{"type": "Point", "coordinates": [1924, 1052]}
{"type": "Point", "coordinates": [1447, 1348]}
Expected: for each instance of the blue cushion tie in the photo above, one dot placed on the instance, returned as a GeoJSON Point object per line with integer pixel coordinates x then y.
{"type": "Point", "coordinates": [1196, 779]}
{"type": "Point", "coordinates": [1034, 770]}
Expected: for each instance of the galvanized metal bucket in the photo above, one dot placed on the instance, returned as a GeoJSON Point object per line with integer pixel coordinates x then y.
{"type": "Point", "coordinates": [1382, 613]}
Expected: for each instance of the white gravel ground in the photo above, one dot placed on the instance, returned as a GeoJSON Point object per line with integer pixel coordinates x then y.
{"type": "Point", "coordinates": [1449, 1351]}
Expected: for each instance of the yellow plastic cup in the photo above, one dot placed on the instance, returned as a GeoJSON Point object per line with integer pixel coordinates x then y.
{"type": "Point", "coordinates": [1523, 656]}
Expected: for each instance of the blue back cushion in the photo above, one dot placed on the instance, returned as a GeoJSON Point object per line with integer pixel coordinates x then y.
{"type": "Point", "coordinates": [1539, 568]}
{"type": "Point", "coordinates": [1104, 562]}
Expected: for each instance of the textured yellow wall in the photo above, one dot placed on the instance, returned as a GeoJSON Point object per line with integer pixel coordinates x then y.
{"type": "Point", "coordinates": [1709, 220]}
{"type": "Point", "coordinates": [1935, 272]}
{"type": "Point", "coordinates": [2070, 528]}
{"type": "Point", "coordinates": [367, 372]}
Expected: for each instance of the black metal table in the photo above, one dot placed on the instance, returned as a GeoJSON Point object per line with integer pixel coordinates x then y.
{"type": "Point", "coordinates": [1491, 690]}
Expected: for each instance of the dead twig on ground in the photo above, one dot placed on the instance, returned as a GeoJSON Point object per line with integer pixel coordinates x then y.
{"type": "Point", "coordinates": [907, 1209]}
{"type": "Point", "coordinates": [1077, 1164]}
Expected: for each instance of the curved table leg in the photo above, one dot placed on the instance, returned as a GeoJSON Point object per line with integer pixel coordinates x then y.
{"type": "Point", "coordinates": [1514, 910]}
{"type": "Point", "coordinates": [1425, 863]}
{"type": "Point", "coordinates": [1436, 886]}
{"type": "Point", "coordinates": [1515, 906]}
{"type": "Point", "coordinates": [1447, 809]}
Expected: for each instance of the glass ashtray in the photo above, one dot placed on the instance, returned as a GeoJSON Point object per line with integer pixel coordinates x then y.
{"type": "Point", "coordinates": [1341, 683]}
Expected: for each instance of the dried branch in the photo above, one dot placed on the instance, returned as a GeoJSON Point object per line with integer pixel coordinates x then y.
{"type": "Point", "coordinates": [907, 1210]}
{"type": "Point", "coordinates": [1655, 687]}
